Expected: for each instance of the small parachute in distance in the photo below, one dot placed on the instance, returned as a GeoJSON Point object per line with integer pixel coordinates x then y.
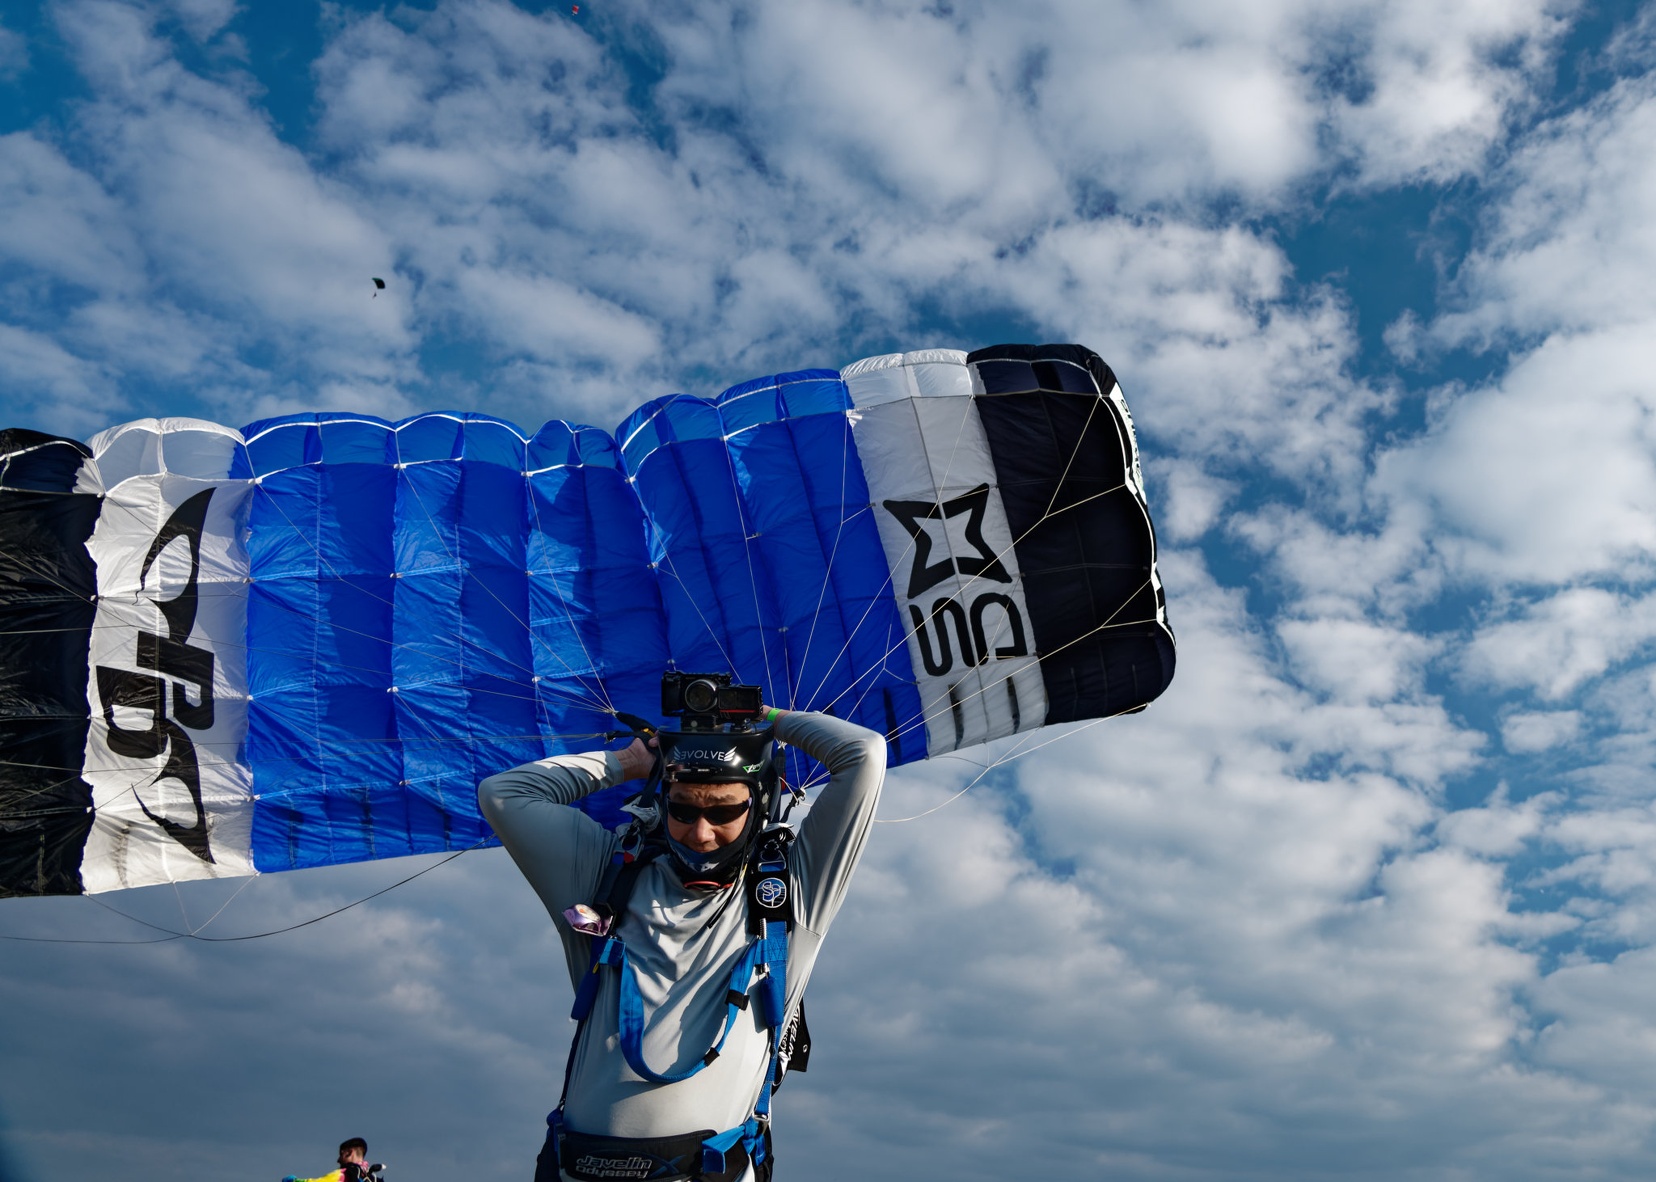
{"type": "Point", "coordinates": [379, 286]}
{"type": "Point", "coordinates": [304, 642]}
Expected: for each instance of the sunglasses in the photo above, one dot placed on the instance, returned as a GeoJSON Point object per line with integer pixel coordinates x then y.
{"type": "Point", "coordinates": [716, 814]}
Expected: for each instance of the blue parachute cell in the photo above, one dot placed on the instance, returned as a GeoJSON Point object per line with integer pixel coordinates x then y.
{"type": "Point", "coordinates": [431, 601]}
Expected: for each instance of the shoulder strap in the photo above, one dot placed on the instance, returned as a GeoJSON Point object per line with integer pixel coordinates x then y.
{"type": "Point", "coordinates": [769, 883]}
{"type": "Point", "coordinates": [770, 897]}
{"type": "Point", "coordinates": [615, 887]}
{"type": "Point", "coordinates": [619, 878]}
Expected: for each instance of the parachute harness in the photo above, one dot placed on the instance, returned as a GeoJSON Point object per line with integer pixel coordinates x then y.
{"type": "Point", "coordinates": [762, 972]}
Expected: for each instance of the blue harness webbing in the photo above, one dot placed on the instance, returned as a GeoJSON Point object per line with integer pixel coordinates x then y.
{"type": "Point", "coordinates": [763, 969]}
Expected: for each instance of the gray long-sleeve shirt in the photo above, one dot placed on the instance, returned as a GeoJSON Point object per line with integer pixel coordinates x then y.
{"type": "Point", "coordinates": [682, 945]}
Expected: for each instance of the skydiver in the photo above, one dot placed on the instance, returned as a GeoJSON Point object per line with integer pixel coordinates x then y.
{"type": "Point", "coordinates": [701, 848]}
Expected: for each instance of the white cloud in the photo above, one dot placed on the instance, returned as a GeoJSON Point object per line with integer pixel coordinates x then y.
{"type": "Point", "coordinates": [1571, 240]}
{"type": "Point", "coordinates": [14, 53]}
{"type": "Point", "coordinates": [1547, 475]}
{"type": "Point", "coordinates": [1603, 1027]}
{"type": "Point", "coordinates": [1529, 731]}
{"type": "Point", "coordinates": [1499, 828]}
{"type": "Point", "coordinates": [232, 219]}
{"type": "Point", "coordinates": [544, 318]}
{"type": "Point", "coordinates": [1561, 642]}
{"type": "Point", "coordinates": [60, 223]}
{"type": "Point", "coordinates": [1189, 939]}
{"type": "Point", "coordinates": [1354, 660]}
{"type": "Point", "coordinates": [1188, 500]}
{"type": "Point", "coordinates": [1442, 83]}
{"type": "Point", "coordinates": [203, 19]}
{"type": "Point", "coordinates": [1169, 103]}
{"type": "Point", "coordinates": [62, 393]}
{"type": "Point", "coordinates": [1338, 568]}
{"type": "Point", "coordinates": [1212, 353]}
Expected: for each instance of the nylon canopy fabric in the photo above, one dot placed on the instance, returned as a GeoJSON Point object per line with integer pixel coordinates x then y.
{"type": "Point", "coordinates": [431, 601]}
{"type": "Point", "coordinates": [306, 641]}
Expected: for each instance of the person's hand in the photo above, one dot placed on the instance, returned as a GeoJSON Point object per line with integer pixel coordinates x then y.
{"type": "Point", "coordinates": [638, 760]}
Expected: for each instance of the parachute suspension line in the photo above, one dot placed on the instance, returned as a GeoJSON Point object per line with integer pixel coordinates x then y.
{"type": "Point", "coordinates": [753, 575]}
{"type": "Point", "coordinates": [861, 620]}
{"type": "Point", "coordinates": [46, 576]}
{"type": "Point", "coordinates": [569, 615]}
{"type": "Point", "coordinates": [994, 764]}
{"type": "Point", "coordinates": [954, 451]}
{"type": "Point", "coordinates": [1104, 626]}
{"type": "Point", "coordinates": [1075, 451]}
{"type": "Point", "coordinates": [74, 773]}
{"type": "Point", "coordinates": [1018, 751]}
{"type": "Point", "coordinates": [713, 635]}
{"type": "Point", "coordinates": [245, 883]}
{"type": "Point", "coordinates": [445, 633]}
{"type": "Point", "coordinates": [1046, 516]}
{"type": "Point", "coordinates": [182, 913]}
{"type": "Point", "coordinates": [110, 502]}
{"type": "Point", "coordinates": [971, 579]}
{"type": "Point", "coordinates": [998, 556]}
{"type": "Point", "coordinates": [420, 716]}
{"type": "Point", "coordinates": [659, 541]}
{"type": "Point", "coordinates": [828, 567]}
{"type": "Point", "coordinates": [599, 696]}
{"type": "Point", "coordinates": [170, 934]}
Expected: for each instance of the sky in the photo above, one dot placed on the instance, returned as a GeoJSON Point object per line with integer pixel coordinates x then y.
{"type": "Point", "coordinates": [1370, 892]}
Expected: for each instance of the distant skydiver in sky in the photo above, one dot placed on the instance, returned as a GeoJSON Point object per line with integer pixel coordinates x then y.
{"type": "Point", "coordinates": [677, 931]}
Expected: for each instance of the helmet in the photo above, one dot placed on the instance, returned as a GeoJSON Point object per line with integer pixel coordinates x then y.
{"type": "Point", "coordinates": [720, 757]}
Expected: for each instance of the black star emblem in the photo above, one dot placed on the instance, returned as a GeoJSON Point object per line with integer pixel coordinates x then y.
{"type": "Point", "coordinates": [925, 574]}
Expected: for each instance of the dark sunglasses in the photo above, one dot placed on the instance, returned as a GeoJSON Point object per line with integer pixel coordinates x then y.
{"type": "Point", "coordinates": [716, 814]}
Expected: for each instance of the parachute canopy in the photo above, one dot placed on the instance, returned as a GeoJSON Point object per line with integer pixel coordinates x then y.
{"type": "Point", "coordinates": [225, 652]}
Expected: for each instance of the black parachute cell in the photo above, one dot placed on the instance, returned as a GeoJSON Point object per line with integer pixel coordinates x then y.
{"type": "Point", "coordinates": [1088, 576]}
{"type": "Point", "coordinates": [47, 588]}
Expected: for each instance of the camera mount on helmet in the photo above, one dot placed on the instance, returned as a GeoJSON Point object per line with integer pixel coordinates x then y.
{"type": "Point", "coordinates": [722, 737]}
{"type": "Point", "coordinates": [709, 702]}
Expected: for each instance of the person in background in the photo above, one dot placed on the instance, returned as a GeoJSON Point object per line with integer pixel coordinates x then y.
{"type": "Point", "coordinates": [353, 1165]}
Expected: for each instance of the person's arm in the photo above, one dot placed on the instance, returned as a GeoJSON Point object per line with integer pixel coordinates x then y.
{"type": "Point", "coordinates": [832, 836]}
{"type": "Point", "coordinates": [560, 850]}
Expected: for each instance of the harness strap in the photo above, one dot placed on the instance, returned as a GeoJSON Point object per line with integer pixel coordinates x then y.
{"type": "Point", "coordinates": [631, 1017]}
{"type": "Point", "coordinates": [762, 970]}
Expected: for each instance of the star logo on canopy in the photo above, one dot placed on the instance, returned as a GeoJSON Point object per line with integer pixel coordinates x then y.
{"type": "Point", "coordinates": [925, 574]}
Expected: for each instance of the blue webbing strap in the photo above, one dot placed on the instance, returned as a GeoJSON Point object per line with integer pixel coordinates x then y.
{"type": "Point", "coordinates": [631, 1017]}
{"type": "Point", "coordinates": [772, 948]}
{"type": "Point", "coordinates": [773, 955]}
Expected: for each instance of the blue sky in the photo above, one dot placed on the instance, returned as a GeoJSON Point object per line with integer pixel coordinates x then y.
{"type": "Point", "coordinates": [1370, 892]}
